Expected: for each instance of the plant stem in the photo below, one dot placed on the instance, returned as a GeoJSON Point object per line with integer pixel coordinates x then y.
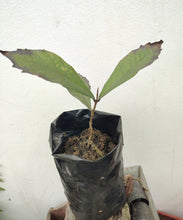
{"type": "Point", "coordinates": [92, 115]}
{"type": "Point", "coordinates": [92, 112]}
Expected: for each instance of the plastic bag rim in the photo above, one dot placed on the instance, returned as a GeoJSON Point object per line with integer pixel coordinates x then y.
{"type": "Point", "coordinates": [77, 158]}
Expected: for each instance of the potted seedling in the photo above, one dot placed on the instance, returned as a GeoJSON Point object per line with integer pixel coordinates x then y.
{"type": "Point", "coordinates": [87, 144]}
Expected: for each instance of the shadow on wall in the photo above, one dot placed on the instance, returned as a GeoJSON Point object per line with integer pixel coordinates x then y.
{"type": "Point", "coordinates": [1, 189]}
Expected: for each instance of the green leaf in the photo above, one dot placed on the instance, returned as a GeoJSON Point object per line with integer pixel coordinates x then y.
{"type": "Point", "coordinates": [48, 66]}
{"type": "Point", "coordinates": [131, 64]}
{"type": "Point", "coordinates": [84, 99]}
{"type": "Point", "coordinates": [2, 189]}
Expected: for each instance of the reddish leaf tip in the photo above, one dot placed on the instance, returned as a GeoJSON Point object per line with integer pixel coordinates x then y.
{"type": "Point", "coordinates": [4, 52]}
{"type": "Point", "coordinates": [158, 43]}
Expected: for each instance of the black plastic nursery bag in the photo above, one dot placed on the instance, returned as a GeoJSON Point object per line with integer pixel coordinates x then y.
{"type": "Point", "coordinates": [95, 189]}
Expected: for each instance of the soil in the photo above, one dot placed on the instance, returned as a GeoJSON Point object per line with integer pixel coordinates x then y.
{"type": "Point", "coordinates": [99, 145]}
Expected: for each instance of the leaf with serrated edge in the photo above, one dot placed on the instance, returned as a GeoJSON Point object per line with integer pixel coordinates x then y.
{"type": "Point", "coordinates": [131, 64]}
{"type": "Point", "coordinates": [49, 66]}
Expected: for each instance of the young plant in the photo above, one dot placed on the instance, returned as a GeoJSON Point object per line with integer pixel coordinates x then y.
{"type": "Point", "coordinates": [53, 68]}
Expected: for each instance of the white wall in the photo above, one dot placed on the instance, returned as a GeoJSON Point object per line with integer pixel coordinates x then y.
{"type": "Point", "coordinates": [92, 36]}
